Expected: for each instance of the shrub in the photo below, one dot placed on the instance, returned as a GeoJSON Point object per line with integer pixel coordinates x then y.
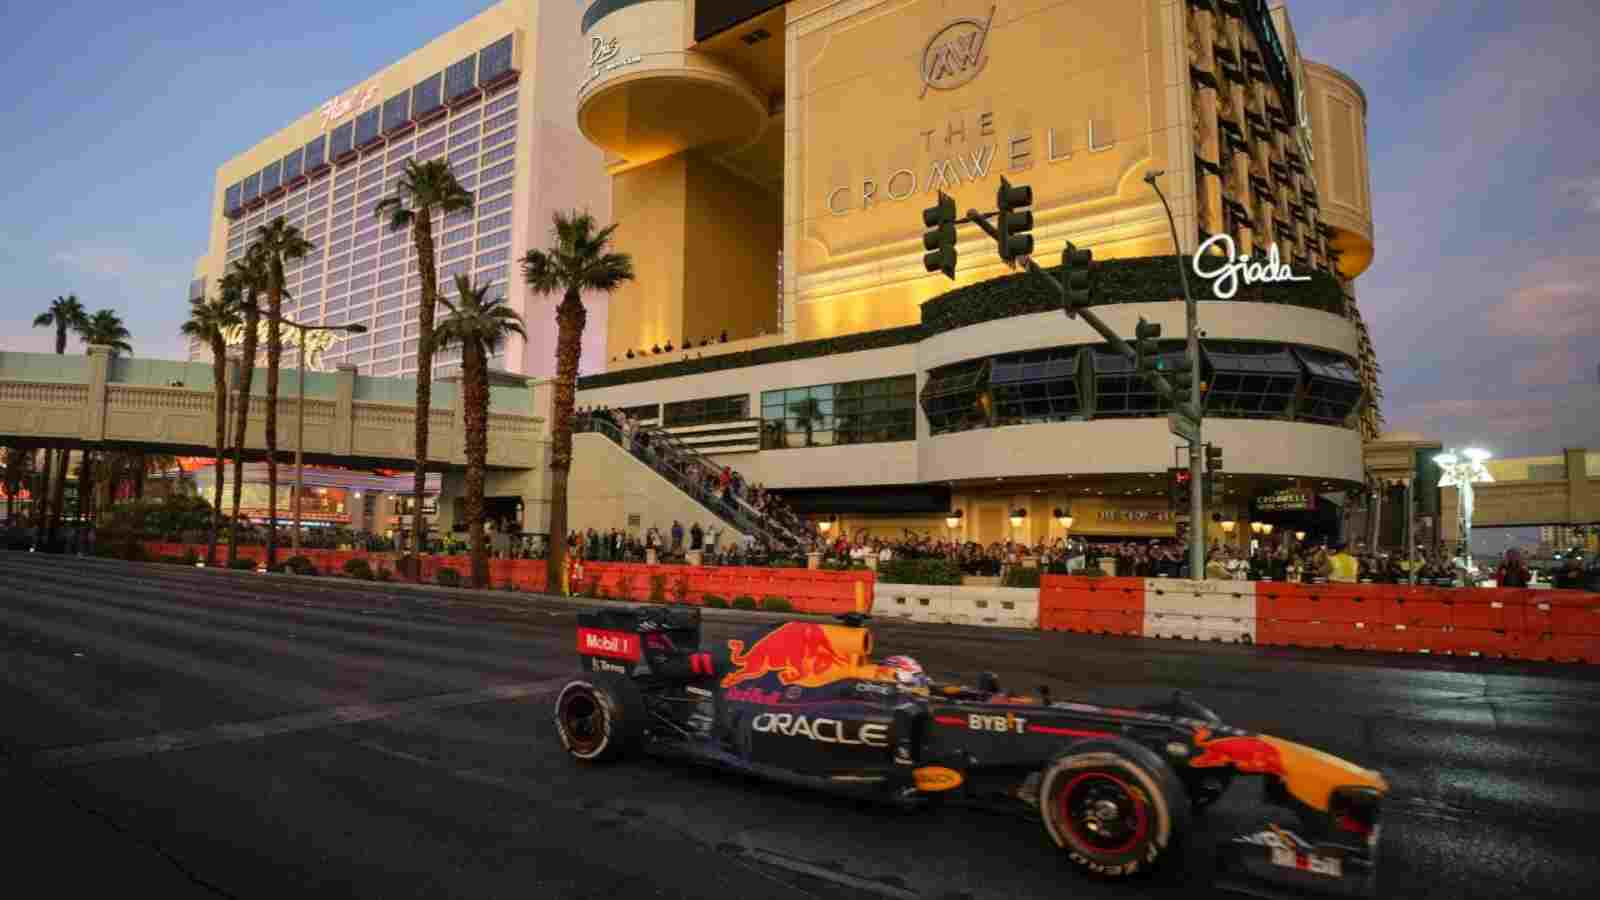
{"type": "Point", "coordinates": [190, 558]}
{"type": "Point", "coordinates": [358, 568]}
{"type": "Point", "coordinates": [715, 602]}
{"type": "Point", "coordinates": [299, 565]}
{"type": "Point", "coordinates": [1019, 577]}
{"type": "Point", "coordinates": [448, 577]}
{"type": "Point", "coordinates": [171, 560]}
{"type": "Point", "coordinates": [919, 571]}
{"type": "Point", "coordinates": [658, 588]}
{"type": "Point", "coordinates": [680, 590]}
{"type": "Point", "coordinates": [385, 574]}
{"type": "Point", "coordinates": [243, 565]}
{"type": "Point", "coordinates": [776, 604]}
{"type": "Point", "coordinates": [744, 602]}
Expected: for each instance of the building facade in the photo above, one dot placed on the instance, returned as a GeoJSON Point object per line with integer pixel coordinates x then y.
{"type": "Point", "coordinates": [769, 163]}
{"type": "Point", "coordinates": [494, 97]}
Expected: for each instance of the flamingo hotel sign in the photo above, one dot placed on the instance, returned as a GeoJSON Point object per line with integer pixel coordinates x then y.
{"type": "Point", "coordinates": [355, 101]}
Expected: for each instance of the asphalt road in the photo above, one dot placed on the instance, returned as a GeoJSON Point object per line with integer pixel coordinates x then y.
{"type": "Point", "coordinates": [207, 733]}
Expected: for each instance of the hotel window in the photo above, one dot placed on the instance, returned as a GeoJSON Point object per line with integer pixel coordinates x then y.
{"type": "Point", "coordinates": [456, 252]}
{"type": "Point", "coordinates": [370, 250]}
{"type": "Point", "coordinates": [467, 118]}
{"type": "Point", "coordinates": [316, 219]}
{"type": "Point", "coordinates": [409, 363]}
{"type": "Point", "coordinates": [373, 178]}
{"type": "Point", "coordinates": [339, 246]}
{"type": "Point", "coordinates": [425, 96]}
{"type": "Point", "coordinates": [336, 303]}
{"type": "Point", "coordinates": [463, 154]}
{"type": "Point", "coordinates": [499, 187]}
{"type": "Point", "coordinates": [1333, 387]}
{"type": "Point", "coordinates": [494, 256]}
{"type": "Point", "coordinates": [645, 412]}
{"type": "Point", "coordinates": [488, 276]}
{"type": "Point", "coordinates": [361, 296]}
{"type": "Point", "coordinates": [387, 318]}
{"type": "Point", "coordinates": [956, 397]}
{"type": "Point", "coordinates": [465, 137]}
{"type": "Point", "coordinates": [410, 331]}
{"type": "Point", "coordinates": [496, 171]}
{"type": "Point", "coordinates": [1039, 386]}
{"type": "Point", "coordinates": [1249, 380]}
{"type": "Point", "coordinates": [399, 153]}
{"type": "Point", "coordinates": [493, 206]}
{"type": "Point", "coordinates": [363, 265]}
{"type": "Point", "coordinates": [319, 190]}
{"type": "Point", "coordinates": [710, 411]}
{"type": "Point", "coordinates": [334, 263]}
{"type": "Point", "coordinates": [401, 239]}
{"type": "Point", "coordinates": [494, 240]}
{"type": "Point", "coordinates": [458, 218]}
{"type": "Point", "coordinates": [427, 153]}
{"type": "Point", "coordinates": [460, 234]}
{"type": "Point", "coordinates": [498, 104]}
{"type": "Point", "coordinates": [431, 135]}
{"type": "Point", "coordinates": [392, 273]}
{"type": "Point", "coordinates": [370, 195]}
{"type": "Point", "coordinates": [491, 224]}
{"type": "Point", "coordinates": [313, 268]}
{"type": "Point", "coordinates": [369, 235]}
{"type": "Point", "coordinates": [343, 193]}
{"type": "Point", "coordinates": [387, 335]}
{"type": "Point", "coordinates": [310, 283]}
{"type": "Point", "coordinates": [468, 181]}
{"type": "Point", "coordinates": [371, 163]}
{"type": "Point", "coordinates": [274, 212]}
{"type": "Point", "coordinates": [856, 412]}
{"type": "Point", "coordinates": [358, 281]}
{"type": "Point", "coordinates": [463, 167]}
{"type": "Point", "coordinates": [505, 118]}
{"type": "Point", "coordinates": [504, 134]}
{"type": "Point", "coordinates": [499, 153]}
{"type": "Point", "coordinates": [345, 205]}
{"type": "Point", "coordinates": [1120, 391]}
{"type": "Point", "coordinates": [387, 367]}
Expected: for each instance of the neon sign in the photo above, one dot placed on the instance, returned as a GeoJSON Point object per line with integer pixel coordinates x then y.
{"type": "Point", "coordinates": [1225, 281]}
{"type": "Point", "coordinates": [339, 107]}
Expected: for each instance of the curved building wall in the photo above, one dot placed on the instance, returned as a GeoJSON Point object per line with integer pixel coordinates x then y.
{"type": "Point", "coordinates": [1337, 108]}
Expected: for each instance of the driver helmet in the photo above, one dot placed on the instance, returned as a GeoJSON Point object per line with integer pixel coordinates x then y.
{"type": "Point", "coordinates": [907, 672]}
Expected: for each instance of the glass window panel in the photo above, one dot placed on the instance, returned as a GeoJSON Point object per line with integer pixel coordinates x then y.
{"type": "Point", "coordinates": [460, 79]}
{"type": "Point", "coordinates": [367, 125]}
{"type": "Point", "coordinates": [396, 111]}
{"type": "Point", "coordinates": [340, 140]}
{"type": "Point", "coordinates": [426, 96]}
{"type": "Point", "coordinates": [494, 60]}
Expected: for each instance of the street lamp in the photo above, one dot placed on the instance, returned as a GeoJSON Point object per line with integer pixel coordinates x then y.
{"type": "Point", "coordinates": [1256, 527]}
{"type": "Point", "coordinates": [300, 412]}
{"type": "Point", "coordinates": [1064, 516]}
{"type": "Point", "coordinates": [953, 521]}
{"type": "Point", "coordinates": [825, 525]}
{"type": "Point", "coordinates": [1460, 470]}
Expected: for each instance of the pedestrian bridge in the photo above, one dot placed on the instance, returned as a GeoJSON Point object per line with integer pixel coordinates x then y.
{"type": "Point", "coordinates": [102, 401]}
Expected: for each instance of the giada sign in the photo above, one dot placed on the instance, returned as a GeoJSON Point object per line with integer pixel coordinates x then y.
{"type": "Point", "coordinates": [1225, 277]}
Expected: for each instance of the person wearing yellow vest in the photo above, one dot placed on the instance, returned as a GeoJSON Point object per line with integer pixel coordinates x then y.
{"type": "Point", "coordinates": [1342, 567]}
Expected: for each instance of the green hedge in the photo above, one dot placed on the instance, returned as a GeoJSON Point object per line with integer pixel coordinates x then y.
{"type": "Point", "coordinates": [358, 568]}
{"type": "Point", "coordinates": [776, 604]}
{"type": "Point", "coordinates": [919, 571]}
{"type": "Point", "coordinates": [1145, 279]}
{"type": "Point", "coordinates": [1018, 577]}
{"type": "Point", "coordinates": [447, 577]}
{"type": "Point", "coordinates": [744, 602]}
{"type": "Point", "coordinates": [714, 602]}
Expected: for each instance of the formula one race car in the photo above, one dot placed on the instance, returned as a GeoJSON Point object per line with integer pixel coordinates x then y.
{"type": "Point", "coordinates": [804, 703]}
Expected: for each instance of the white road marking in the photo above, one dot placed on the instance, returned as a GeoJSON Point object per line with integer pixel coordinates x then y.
{"type": "Point", "coordinates": [237, 732]}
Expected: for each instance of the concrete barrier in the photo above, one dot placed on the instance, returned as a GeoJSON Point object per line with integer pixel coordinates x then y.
{"type": "Point", "coordinates": [1200, 610]}
{"type": "Point", "coordinates": [994, 607]}
{"type": "Point", "coordinates": [912, 602]}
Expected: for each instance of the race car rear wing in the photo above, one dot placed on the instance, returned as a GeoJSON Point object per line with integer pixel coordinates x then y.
{"type": "Point", "coordinates": [617, 640]}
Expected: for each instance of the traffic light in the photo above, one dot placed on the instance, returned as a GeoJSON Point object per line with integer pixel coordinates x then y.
{"type": "Point", "coordinates": [1213, 458]}
{"type": "Point", "coordinates": [940, 239]}
{"type": "Point", "coordinates": [1180, 374]}
{"type": "Point", "coordinates": [1144, 346]}
{"type": "Point", "coordinates": [1077, 274]}
{"type": "Point", "coordinates": [1013, 222]}
{"type": "Point", "coordinates": [1179, 484]}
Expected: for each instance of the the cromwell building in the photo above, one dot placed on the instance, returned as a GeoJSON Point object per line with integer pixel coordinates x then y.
{"type": "Point", "coordinates": [495, 98]}
{"type": "Point", "coordinates": [768, 166]}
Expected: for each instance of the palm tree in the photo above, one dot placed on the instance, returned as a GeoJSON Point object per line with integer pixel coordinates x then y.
{"type": "Point", "coordinates": [66, 315]}
{"type": "Point", "coordinates": [479, 325]}
{"type": "Point", "coordinates": [580, 261]}
{"type": "Point", "coordinates": [104, 328]}
{"type": "Point", "coordinates": [248, 279]}
{"type": "Point", "coordinates": [809, 413]}
{"type": "Point", "coordinates": [210, 321]}
{"type": "Point", "coordinates": [280, 242]}
{"type": "Point", "coordinates": [423, 189]}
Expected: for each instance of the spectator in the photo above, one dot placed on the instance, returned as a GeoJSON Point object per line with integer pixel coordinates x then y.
{"type": "Point", "coordinates": [697, 537]}
{"type": "Point", "coordinates": [677, 537]}
{"type": "Point", "coordinates": [1343, 567]}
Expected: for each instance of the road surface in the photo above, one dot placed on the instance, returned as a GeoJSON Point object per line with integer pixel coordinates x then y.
{"type": "Point", "coordinates": [212, 733]}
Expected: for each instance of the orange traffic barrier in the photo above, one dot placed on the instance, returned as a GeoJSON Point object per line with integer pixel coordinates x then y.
{"type": "Point", "coordinates": [1100, 605]}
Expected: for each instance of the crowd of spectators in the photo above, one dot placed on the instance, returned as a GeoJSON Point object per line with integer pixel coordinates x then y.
{"type": "Point", "coordinates": [725, 491]}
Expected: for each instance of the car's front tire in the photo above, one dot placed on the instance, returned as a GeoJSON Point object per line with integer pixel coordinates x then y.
{"type": "Point", "coordinates": [597, 717]}
{"type": "Point", "coordinates": [1116, 808]}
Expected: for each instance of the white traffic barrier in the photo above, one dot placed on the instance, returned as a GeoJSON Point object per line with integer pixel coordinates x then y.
{"type": "Point", "coordinates": [916, 602]}
{"type": "Point", "coordinates": [994, 607]}
{"type": "Point", "coordinates": [1200, 610]}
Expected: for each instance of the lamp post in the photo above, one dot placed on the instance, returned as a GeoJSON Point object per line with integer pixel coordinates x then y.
{"type": "Point", "coordinates": [952, 522]}
{"type": "Point", "coordinates": [300, 412]}
{"type": "Point", "coordinates": [1018, 516]}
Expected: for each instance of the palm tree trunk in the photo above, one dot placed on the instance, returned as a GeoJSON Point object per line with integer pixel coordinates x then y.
{"type": "Point", "coordinates": [422, 237]}
{"type": "Point", "coordinates": [219, 375]}
{"type": "Point", "coordinates": [476, 388]}
{"type": "Point", "coordinates": [274, 355]}
{"type": "Point", "coordinates": [241, 425]}
{"type": "Point", "coordinates": [140, 463]}
{"type": "Point", "coordinates": [58, 497]}
{"type": "Point", "coordinates": [570, 319]}
{"type": "Point", "coordinates": [85, 484]}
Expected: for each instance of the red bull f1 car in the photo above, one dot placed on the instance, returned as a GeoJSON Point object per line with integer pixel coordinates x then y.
{"type": "Point", "coordinates": [805, 703]}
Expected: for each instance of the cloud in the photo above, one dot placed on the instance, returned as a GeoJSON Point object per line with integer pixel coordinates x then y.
{"type": "Point", "coordinates": [1350, 38]}
{"type": "Point", "coordinates": [1526, 422]}
{"type": "Point", "coordinates": [1557, 299]}
{"type": "Point", "coordinates": [1582, 192]}
{"type": "Point", "coordinates": [105, 262]}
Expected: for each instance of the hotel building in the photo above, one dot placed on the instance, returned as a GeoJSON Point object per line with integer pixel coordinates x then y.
{"type": "Point", "coordinates": [495, 98]}
{"type": "Point", "coordinates": [769, 163]}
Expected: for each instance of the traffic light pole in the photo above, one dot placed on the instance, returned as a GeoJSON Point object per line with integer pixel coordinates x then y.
{"type": "Point", "coordinates": [1197, 528]}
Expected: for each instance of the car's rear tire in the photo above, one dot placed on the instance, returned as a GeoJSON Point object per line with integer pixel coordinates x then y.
{"type": "Point", "coordinates": [1116, 808]}
{"type": "Point", "coordinates": [599, 717]}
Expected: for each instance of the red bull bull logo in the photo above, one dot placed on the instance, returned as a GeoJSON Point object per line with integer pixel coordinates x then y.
{"type": "Point", "coordinates": [799, 652]}
{"type": "Point", "coordinates": [1250, 755]}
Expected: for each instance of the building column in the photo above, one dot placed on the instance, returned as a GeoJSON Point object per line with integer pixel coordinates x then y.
{"type": "Point", "coordinates": [94, 418]}
{"type": "Point", "coordinates": [344, 419]}
{"type": "Point", "coordinates": [1582, 507]}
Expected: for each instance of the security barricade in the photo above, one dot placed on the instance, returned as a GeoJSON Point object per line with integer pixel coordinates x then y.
{"type": "Point", "coordinates": [994, 607]}
{"type": "Point", "coordinates": [912, 602]}
{"type": "Point", "coordinates": [1097, 605]}
{"type": "Point", "coordinates": [1200, 610]}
